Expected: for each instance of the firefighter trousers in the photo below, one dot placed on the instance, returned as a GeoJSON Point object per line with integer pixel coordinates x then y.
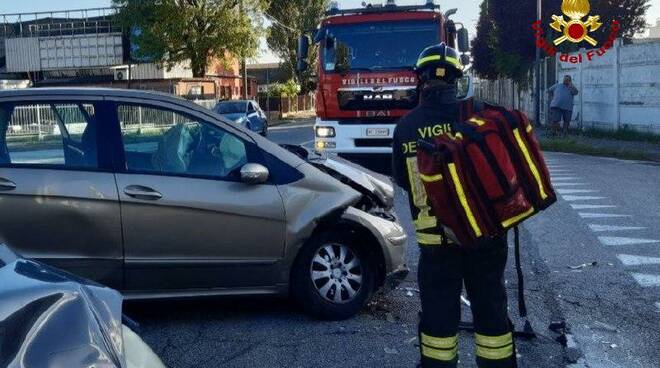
{"type": "Point", "coordinates": [443, 269]}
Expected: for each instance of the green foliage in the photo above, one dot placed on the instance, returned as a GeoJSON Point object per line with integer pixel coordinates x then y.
{"type": "Point", "coordinates": [484, 45]}
{"type": "Point", "coordinates": [174, 31]}
{"type": "Point", "coordinates": [288, 89]}
{"type": "Point", "coordinates": [297, 17]}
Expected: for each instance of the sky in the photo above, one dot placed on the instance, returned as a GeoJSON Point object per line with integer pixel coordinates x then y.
{"type": "Point", "coordinates": [468, 11]}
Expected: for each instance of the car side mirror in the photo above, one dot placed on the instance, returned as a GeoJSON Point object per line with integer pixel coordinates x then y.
{"type": "Point", "coordinates": [254, 174]}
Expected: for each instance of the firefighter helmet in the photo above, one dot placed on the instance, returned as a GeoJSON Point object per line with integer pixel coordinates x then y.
{"type": "Point", "coordinates": [439, 62]}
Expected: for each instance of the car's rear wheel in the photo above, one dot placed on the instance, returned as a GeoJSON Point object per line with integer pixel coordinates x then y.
{"type": "Point", "coordinates": [333, 276]}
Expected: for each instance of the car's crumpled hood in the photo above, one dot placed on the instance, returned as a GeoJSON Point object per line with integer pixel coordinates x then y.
{"type": "Point", "coordinates": [362, 179]}
{"type": "Point", "coordinates": [379, 185]}
{"type": "Point", "coordinates": [53, 319]}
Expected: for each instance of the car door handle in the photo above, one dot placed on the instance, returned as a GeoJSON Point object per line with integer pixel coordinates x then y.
{"type": "Point", "coordinates": [7, 184]}
{"type": "Point", "coordinates": [144, 193]}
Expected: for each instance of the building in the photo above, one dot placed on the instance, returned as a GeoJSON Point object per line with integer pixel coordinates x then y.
{"type": "Point", "coordinates": [88, 48]}
{"type": "Point", "coordinates": [654, 31]}
{"type": "Point", "coordinates": [267, 74]}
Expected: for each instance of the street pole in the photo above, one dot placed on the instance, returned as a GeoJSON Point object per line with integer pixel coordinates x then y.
{"type": "Point", "coordinates": [537, 64]}
{"type": "Point", "coordinates": [243, 62]}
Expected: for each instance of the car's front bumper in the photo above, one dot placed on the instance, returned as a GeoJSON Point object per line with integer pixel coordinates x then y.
{"type": "Point", "coordinates": [391, 238]}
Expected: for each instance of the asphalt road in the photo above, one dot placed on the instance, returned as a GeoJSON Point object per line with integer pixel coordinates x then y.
{"type": "Point", "coordinates": [611, 309]}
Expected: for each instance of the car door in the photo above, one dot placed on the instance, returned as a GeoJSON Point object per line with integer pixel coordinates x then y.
{"type": "Point", "coordinates": [58, 196]}
{"type": "Point", "coordinates": [188, 221]}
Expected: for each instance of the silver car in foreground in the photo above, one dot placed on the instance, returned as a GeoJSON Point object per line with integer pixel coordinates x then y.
{"type": "Point", "coordinates": [158, 197]}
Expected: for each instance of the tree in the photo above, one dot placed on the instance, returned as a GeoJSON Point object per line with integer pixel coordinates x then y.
{"type": "Point", "coordinates": [629, 13]}
{"type": "Point", "coordinates": [505, 37]}
{"type": "Point", "coordinates": [174, 31]}
{"type": "Point", "coordinates": [293, 18]}
{"type": "Point", "coordinates": [484, 45]}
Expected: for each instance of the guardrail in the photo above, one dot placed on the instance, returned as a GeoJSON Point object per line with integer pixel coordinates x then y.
{"type": "Point", "coordinates": [41, 121]}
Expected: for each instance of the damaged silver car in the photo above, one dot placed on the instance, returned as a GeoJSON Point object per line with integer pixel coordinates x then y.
{"type": "Point", "coordinates": [49, 318]}
{"type": "Point", "coordinates": [158, 197]}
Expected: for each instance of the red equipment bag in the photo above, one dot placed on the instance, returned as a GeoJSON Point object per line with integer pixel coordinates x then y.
{"type": "Point", "coordinates": [472, 183]}
{"type": "Point", "coordinates": [482, 181]}
{"type": "Point", "coordinates": [517, 133]}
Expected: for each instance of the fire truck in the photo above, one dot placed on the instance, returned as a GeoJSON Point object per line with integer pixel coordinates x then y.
{"type": "Point", "coordinates": [365, 77]}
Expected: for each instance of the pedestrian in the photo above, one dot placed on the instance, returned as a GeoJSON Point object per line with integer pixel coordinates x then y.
{"type": "Point", "coordinates": [444, 266]}
{"type": "Point", "coordinates": [561, 107]}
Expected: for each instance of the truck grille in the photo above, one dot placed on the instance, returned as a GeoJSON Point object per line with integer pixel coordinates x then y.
{"type": "Point", "coordinates": [373, 142]}
{"type": "Point", "coordinates": [377, 99]}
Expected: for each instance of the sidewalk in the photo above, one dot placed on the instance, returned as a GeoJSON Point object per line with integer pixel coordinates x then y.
{"type": "Point", "coordinates": [295, 119]}
{"type": "Point", "coordinates": [608, 147]}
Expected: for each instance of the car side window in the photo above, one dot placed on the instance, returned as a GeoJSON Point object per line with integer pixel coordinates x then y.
{"type": "Point", "coordinates": [49, 134]}
{"type": "Point", "coordinates": [162, 141]}
{"type": "Point", "coordinates": [251, 107]}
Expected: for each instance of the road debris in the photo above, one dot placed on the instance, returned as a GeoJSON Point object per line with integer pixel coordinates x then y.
{"type": "Point", "coordinates": [604, 327]}
{"type": "Point", "coordinates": [584, 265]}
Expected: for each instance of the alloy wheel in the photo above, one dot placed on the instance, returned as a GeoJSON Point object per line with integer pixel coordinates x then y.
{"type": "Point", "coordinates": [336, 272]}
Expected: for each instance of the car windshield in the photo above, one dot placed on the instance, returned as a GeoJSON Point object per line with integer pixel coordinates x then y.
{"type": "Point", "coordinates": [231, 107]}
{"type": "Point", "coordinates": [374, 46]}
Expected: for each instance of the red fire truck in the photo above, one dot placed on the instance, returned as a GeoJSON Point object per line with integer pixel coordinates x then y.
{"type": "Point", "coordinates": [365, 71]}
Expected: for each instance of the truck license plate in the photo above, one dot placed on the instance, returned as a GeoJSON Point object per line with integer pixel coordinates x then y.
{"type": "Point", "coordinates": [378, 132]}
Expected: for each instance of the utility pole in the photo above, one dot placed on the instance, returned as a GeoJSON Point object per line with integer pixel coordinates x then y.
{"type": "Point", "coordinates": [243, 62]}
{"type": "Point", "coordinates": [537, 64]}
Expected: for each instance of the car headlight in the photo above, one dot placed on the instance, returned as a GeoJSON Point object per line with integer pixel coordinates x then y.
{"type": "Point", "coordinates": [325, 132]}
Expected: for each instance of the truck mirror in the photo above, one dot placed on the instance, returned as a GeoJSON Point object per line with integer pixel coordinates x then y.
{"type": "Point", "coordinates": [465, 59]}
{"type": "Point", "coordinates": [303, 52]}
{"type": "Point", "coordinates": [463, 40]}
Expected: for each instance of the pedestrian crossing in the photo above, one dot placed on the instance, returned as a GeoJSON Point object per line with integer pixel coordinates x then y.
{"type": "Point", "coordinates": [613, 227]}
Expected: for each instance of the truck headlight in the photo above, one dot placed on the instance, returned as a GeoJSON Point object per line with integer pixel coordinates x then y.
{"type": "Point", "coordinates": [325, 132]}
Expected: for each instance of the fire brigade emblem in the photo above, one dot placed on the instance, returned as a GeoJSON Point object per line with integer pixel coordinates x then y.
{"type": "Point", "coordinates": [575, 30]}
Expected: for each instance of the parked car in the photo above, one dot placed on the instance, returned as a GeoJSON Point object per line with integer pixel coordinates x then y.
{"type": "Point", "coordinates": [246, 113]}
{"type": "Point", "coordinates": [158, 197]}
{"type": "Point", "coordinates": [49, 318]}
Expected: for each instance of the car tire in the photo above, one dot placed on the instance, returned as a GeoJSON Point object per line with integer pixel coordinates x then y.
{"type": "Point", "coordinates": [265, 131]}
{"type": "Point", "coordinates": [312, 279]}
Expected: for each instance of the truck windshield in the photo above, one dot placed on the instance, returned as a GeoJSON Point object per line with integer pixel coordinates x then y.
{"type": "Point", "coordinates": [377, 46]}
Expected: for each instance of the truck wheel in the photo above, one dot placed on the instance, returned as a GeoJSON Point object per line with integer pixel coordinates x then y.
{"type": "Point", "coordinates": [333, 276]}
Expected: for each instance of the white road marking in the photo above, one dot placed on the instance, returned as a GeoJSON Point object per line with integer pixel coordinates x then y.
{"type": "Point", "coordinates": [657, 306]}
{"type": "Point", "coordinates": [602, 228]}
{"type": "Point", "coordinates": [558, 185]}
{"type": "Point", "coordinates": [553, 171]}
{"type": "Point", "coordinates": [593, 215]}
{"type": "Point", "coordinates": [554, 179]}
{"type": "Point", "coordinates": [580, 198]}
{"type": "Point", "coordinates": [631, 260]}
{"type": "Point", "coordinates": [616, 240]}
{"type": "Point", "coordinates": [647, 280]}
{"type": "Point", "coordinates": [576, 191]}
{"type": "Point", "coordinates": [590, 206]}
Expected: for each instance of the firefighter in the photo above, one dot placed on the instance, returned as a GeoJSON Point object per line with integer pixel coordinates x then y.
{"type": "Point", "coordinates": [444, 266]}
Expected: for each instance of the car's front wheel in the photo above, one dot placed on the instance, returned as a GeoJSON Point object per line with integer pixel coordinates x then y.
{"type": "Point", "coordinates": [333, 276]}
